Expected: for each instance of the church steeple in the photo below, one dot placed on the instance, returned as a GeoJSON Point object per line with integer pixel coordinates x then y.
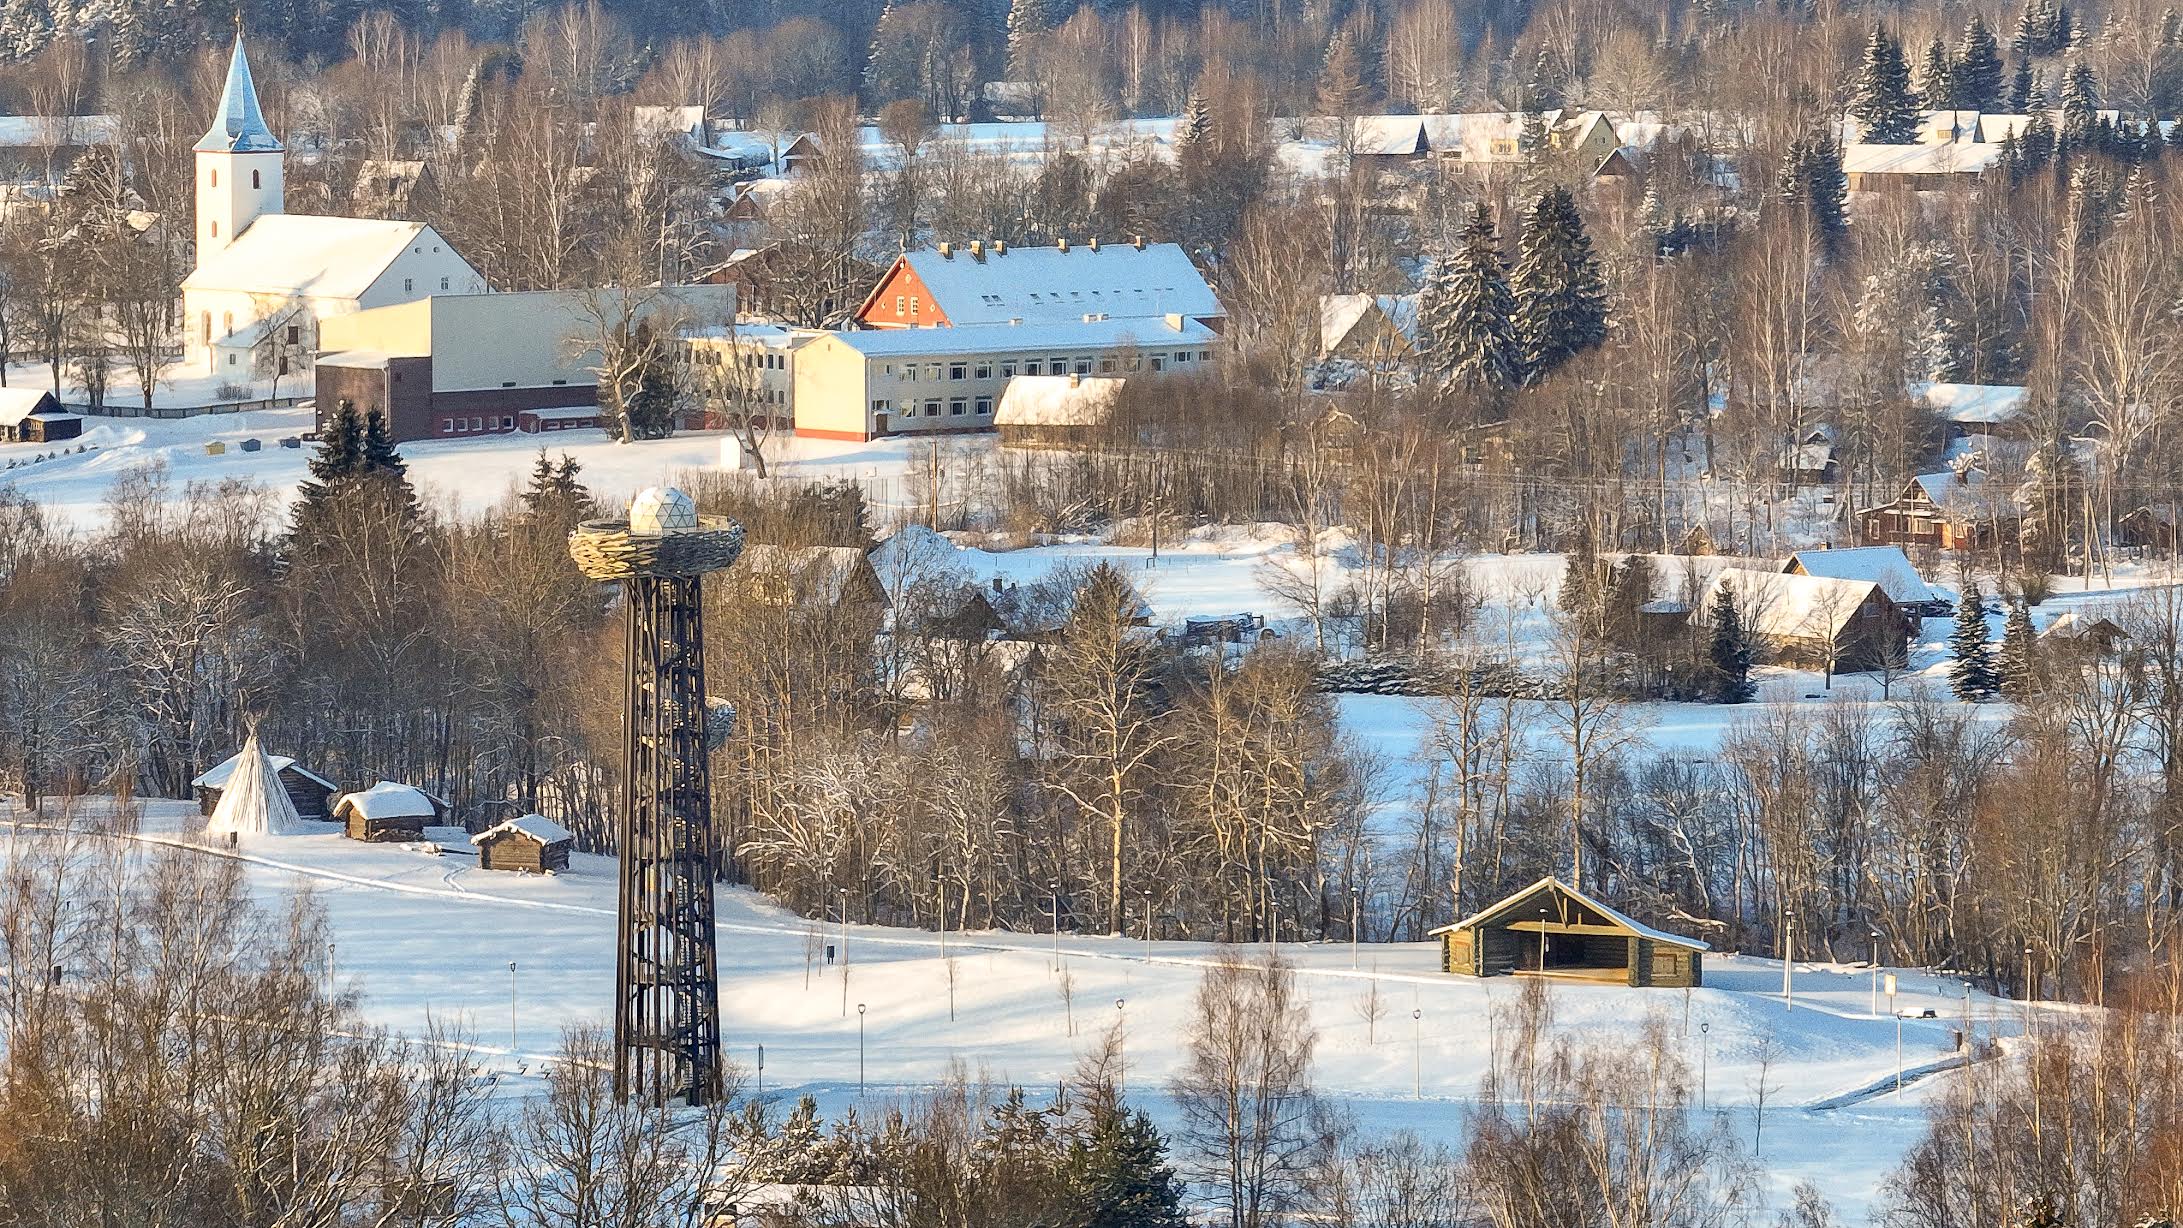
{"type": "Point", "coordinates": [240, 125]}
{"type": "Point", "coordinates": [239, 163]}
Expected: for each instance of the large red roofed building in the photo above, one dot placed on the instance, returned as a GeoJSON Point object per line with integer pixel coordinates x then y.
{"type": "Point", "coordinates": [993, 283]}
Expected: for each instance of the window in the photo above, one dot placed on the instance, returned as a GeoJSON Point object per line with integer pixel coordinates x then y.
{"type": "Point", "coordinates": [985, 406]}
{"type": "Point", "coordinates": [1059, 366]}
{"type": "Point", "coordinates": [890, 368]}
{"type": "Point", "coordinates": [1008, 368]}
{"type": "Point", "coordinates": [913, 306]}
{"type": "Point", "coordinates": [1159, 363]}
{"type": "Point", "coordinates": [1083, 366]}
{"type": "Point", "coordinates": [957, 406]}
{"type": "Point", "coordinates": [1106, 366]}
{"type": "Point", "coordinates": [206, 338]}
{"type": "Point", "coordinates": [215, 226]}
{"type": "Point", "coordinates": [879, 407]}
{"type": "Point", "coordinates": [932, 370]}
{"type": "Point", "coordinates": [295, 334]}
{"type": "Point", "coordinates": [507, 422]}
{"type": "Point", "coordinates": [956, 370]}
{"type": "Point", "coordinates": [254, 180]}
{"type": "Point", "coordinates": [901, 304]}
{"type": "Point", "coordinates": [215, 177]}
{"type": "Point", "coordinates": [227, 323]}
{"type": "Point", "coordinates": [560, 383]}
{"type": "Point", "coordinates": [1182, 356]}
{"type": "Point", "coordinates": [443, 283]}
{"type": "Point", "coordinates": [231, 360]}
{"type": "Point", "coordinates": [1205, 355]}
{"type": "Point", "coordinates": [409, 285]}
{"type": "Point", "coordinates": [282, 366]}
{"type": "Point", "coordinates": [507, 383]}
{"type": "Point", "coordinates": [985, 370]}
{"type": "Point", "coordinates": [932, 409]}
{"type": "Point", "coordinates": [447, 426]}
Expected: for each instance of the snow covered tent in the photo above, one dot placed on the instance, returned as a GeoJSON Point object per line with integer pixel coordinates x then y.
{"type": "Point", "coordinates": [387, 812]}
{"type": "Point", "coordinates": [253, 799]}
{"type": "Point", "coordinates": [530, 844]}
{"type": "Point", "coordinates": [1886, 566]}
{"type": "Point", "coordinates": [1552, 929]}
{"type": "Point", "coordinates": [309, 793]}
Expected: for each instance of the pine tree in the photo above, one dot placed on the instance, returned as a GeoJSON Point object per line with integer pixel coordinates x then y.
{"type": "Point", "coordinates": [1730, 651]}
{"type": "Point", "coordinates": [1027, 20]}
{"type": "Point", "coordinates": [1341, 78]}
{"type": "Point", "coordinates": [1977, 70]}
{"type": "Point", "coordinates": [1194, 135]}
{"type": "Point", "coordinates": [1936, 77]}
{"type": "Point", "coordinates": [2080, 106]}
{"type": "Point", "coordinates": [1466, 315]}
{"type": "Point", "coordinates": [2019, 662]}
{"type": "Point", "coordinates": [1561, 300]}
{"type": "Point", "coordinates": [2021, 87]}
{"type": "Point", "coordinates": [333, 471]}
{"type": "Point", "coordinates": [1118, 1173]}
{"type": "Point", "coordinates": [1972, 676]}
{"type": "Point", "coordinates": [1580, 594]}
{"type": "Point", "coordinates": [1880, 98]}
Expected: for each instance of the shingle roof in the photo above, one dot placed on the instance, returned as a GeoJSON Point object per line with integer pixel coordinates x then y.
{"type": "Point", "coordinates": [240, 125]}
{"type": "Point", "coordinates": [1047, 285]}
{"type": "Point", "coordinates": [1886, 566]}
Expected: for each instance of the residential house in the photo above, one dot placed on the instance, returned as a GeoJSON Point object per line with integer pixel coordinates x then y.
{"type": "Point", "coordinates": [309, 792]}
{"type": "Point", "coordinates": [1973, 409]}
{"type": "Point", "coordinates": [1886, 566]}
{"type": "Point", "coordinates": [401, 190]}
{"type": "Point", "coordinates": [1915, 168]}
{"type": "Point", "coordinates": [1814, 621]}
{"type": "Point", "coordinates": [1374, 329]}
{"type": "Point", "coordinates": [755, 363]}
{"type": "Point", "coordinates": [773, 283]}
{"type": "Point", "coordinates": [1957, 509]}
{"type": "Point", "coordinates": [527, 844]}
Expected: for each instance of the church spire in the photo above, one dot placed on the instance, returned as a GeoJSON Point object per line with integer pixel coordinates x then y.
{"type": "Point", "coordinates": [240, 125]}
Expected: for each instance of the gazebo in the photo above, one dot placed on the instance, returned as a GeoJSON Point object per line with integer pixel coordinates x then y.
{"type": "Point", "coordinates": [1551, 929]}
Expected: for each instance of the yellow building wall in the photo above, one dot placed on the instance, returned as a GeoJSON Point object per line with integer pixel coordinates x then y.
{"type": "Point", "coordinates": [831, 386]}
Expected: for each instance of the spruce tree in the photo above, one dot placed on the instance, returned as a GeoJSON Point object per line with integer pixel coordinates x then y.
{"type": "Point", "coordinates": [1936, 77]}
{"type": "Point", "coordinates": [1730, 650]}
{"type": "Point", "coordinates": [1341, 78]}
{"type": "Point", "coordinates": [1812, 177]}
{"type": "Point", "coordinates": [1972, 676]}
{"type": "Point", "coordinates": [1561, 299]}
{"type": "Point", "coordinates": [2019, 660]}
{"type": "Point", "coordinates": [1118, 1173]}
{"type": "Point", "coordinates": [1027, 20]}
{"type": "Point", "coordinates": [333, 471]}
{"type": "Point", "coordinates": [1194, 134]}
{"type": "Point", "coordinates": [1581, 596]}
{"type": "Point", "coordinates": [2021, 87]}
{"type": "Point", "coordinates": [2080, 106]}
{"type": "Point", "coordinates": [1977, 70]}
{"type": "Point", "coordinates": [1880, 99]}
{"type": "Point", "coordinates": [1466, 315]}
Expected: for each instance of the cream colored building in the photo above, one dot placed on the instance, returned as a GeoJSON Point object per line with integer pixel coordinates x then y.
{"type": "Point", "coordinates": [266, 281]}
{"type": "Point", "coordinates": [764, 357]}
{"type": "Point", "coordinates": [901, 381]}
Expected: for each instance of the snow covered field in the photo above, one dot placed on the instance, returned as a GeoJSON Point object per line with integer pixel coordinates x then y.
{"type": "Point", "coordinates": [425, 937]}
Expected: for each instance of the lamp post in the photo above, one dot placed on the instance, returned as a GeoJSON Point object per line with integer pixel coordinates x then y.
{"type": "Point", "coordinates": [1053, 889]}
{"type": "Point", "coordinates": [860, 1048]}
{"type": "Point", "coordinates": [761, 1072]}
{"type": "Point", "coordinates": [842, 894]}
{"type": "Point", "coordinates": [1788, 959]}
{"type": "Point", "coordinates": [1875, 972]}
{"type": "Point", "coordinates": [1898, 1035]}
{"type": "Point", "coordinates": [1273, 922]}
{"type": "Point", "coordinates": [1542, 938]}
{"type": "Point", "coordinates": [1417, 1054]}
{"type": "Point", "coordinates": [1147, 894]}
{"type": "Point", "coordinates": [1705, 1058]}
{"type": "Point", "coordinates": [329, 974]}
{"type": "Point", "coordinates": [2029, 991]}
{"type": "Point", "coordinates": [1121, 1051]}
{"type": "Point", "coordinates": [511, 1006]}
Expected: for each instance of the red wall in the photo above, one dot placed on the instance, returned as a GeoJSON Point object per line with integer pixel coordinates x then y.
{"type": "Point", "coordinates": [902, 282]}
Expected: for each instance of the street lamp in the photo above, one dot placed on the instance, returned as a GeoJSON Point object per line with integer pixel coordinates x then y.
{"type": "Point", "coordinates": [1356, 903]}
{"type": "Point", "coordinates": [761, 1072]}
{"type": "Point", "coordinates": [1788, 958]}
{"type": "Point", "coordinates": [2029, 991]}
{"type": "Point", "coordinates": [1053, 888]}
{"type": "Point", "coordinates": [842, 893]}
{"type": "Point", "coordinates": [1875, 972]}
{"type": "Point", "coordinates": [860, 1048]}
{"type": "Point", "coordinates": [1417, 1054]}
{"type": "Point", "coordinates": [1121, 1054]}
{"type": "Point", "coordinates": [330, 974]}
{"type": "Point", "coordinates": [1705, 1057]}
{"type": "Point", "coordinates": [1147, 894]}
{"type": "Point", "coordinates": [1542, 939]}
{"type": "Point", "coordinates": [511, 1007]}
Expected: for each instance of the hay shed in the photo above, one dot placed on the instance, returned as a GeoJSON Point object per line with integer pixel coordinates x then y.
{"type": "Point", "coordinates": [386, 812]}
{"type": "Point", "coordinates": [1551, 929]}
{"type": "Point", "coordinates": [531, 844]}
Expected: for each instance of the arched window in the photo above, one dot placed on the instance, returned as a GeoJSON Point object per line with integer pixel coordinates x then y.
{"type": "Point", "coordinates": [207, 333]}
{"type": "Point", "coordinates": [227, 324]}
{"type": "Point", "coordinates": [215, 172]}
{"type": "Point", "coordinates": [215, 229]}
{"type": "Point", "coordinates": [254, 179]}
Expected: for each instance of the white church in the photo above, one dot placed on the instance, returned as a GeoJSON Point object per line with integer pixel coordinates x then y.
{"type": "Point", "coordinates": [265, 278]}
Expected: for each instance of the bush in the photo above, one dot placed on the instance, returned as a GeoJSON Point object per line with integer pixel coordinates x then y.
{"type": "Point", "coordinates": [2034, 586]}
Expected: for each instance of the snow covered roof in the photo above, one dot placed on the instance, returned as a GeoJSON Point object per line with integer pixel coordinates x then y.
{"type": "Point", "coordinates": [1550, 883]}
{"type": "Point", "coordinates": [654, 122]}
{"type": "Point", "coordinates": [1001, 338]}
{"type": "Point", "coordinates": [1057, 400]}
{"type": "Point", "coordinates": [388, 800]}
{"type": "Point", "coordinates": [1339, 314]}
{"type": "Point", "coordinates": [537, 826]}
{"type": "Point", "coordinates": [1780, 605]}
{"type": "Point", "coordinates": [565, 413]}
{"type": "Point", "coordinates": [831, 567]}
{"type": "Point", "coordinates": [305, 255]}
{"type": "Point", "coordinates": [1950, 159]}
{"type": "Point", "coordinates": [17, 404]}
{"type": "Point", "coordinates": [1051, 285]}
{"type": "Point", "coordinates": [373, 360]}
{"type": "Point", "coordinates": [216, 776]}
{"type": "Point", "coordinates": [1886, 566]}
{"type": "Point", "coordinates": [1972, 404]}
{"type": "Point", "coordinates": [240, 125]}
{"type": "Point", "coordinates": [1953, 488]}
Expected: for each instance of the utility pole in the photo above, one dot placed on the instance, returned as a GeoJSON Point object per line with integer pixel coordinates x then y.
{"type": "Point", "coordinates": [860, 1049]}
{"type": "Point", "coordinates": [842, 893]}
{"type": "Point", "coordinates": [1355, 907]}
{"type": "Point", "coordinates": [1875, 972]}
{"type": "Point", "coordinates": [1417, 1054]}
{"type": "Point", "coordinates": [511, 1007]}
{"type": "Point", "coordinates": [1788, 958]}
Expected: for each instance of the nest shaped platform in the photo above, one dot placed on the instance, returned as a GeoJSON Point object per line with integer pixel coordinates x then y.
{"type": "Point", "coordinates": [607, 550]}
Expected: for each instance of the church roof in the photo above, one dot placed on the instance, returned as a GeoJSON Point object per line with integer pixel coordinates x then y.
{"type": "Point", "coordinates": [310, 256]}
{"type": "Point", "coordinates": [240, 125]}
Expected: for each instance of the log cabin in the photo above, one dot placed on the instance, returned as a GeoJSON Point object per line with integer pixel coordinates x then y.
{"type": "Point", "coordinates": [387, 813]}
{"type": "Point", "coordinates": [1551, 929]}
{"type": "Point", "coordinates": [531, 844]}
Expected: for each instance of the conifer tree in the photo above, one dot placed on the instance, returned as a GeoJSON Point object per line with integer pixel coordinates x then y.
{"type": "Point", "coordinates": [1976, 73]}
{"type": "Point", "coordinates": [332, 470]}
{"type": "Point", "coordinates": [2080, 106]}
{"type": "Point", "coordinates": [1466, 315]}
{"type": "Point", "coordinates": [2021, 87]}
{"type": "Point", "coordinates": [1972, 676]}
{"type": "Point", "coordinates": [1936, 77]}
{"type": "Point", "coordinates": [1027, 20]}
{"type": "Point", "coordinates": [1195, 133]}
{"type": "Point", "coordinates": [1118, 1172]}
{"type": "Point", "coordinates": [1812, 177]}
{"type": "Point", "coordinates": [1880, 98]}
{"type": "Point", "coordinates": [1580, 594]}
{"type": "Point", "coordinates": [1341, 78]}
{"type": "Point", "coordinates": [1561, 299]}
{"type": "Point", "coordinates": [2019, 647]}
{"type": "Point", "coordinates": [1730, 650]}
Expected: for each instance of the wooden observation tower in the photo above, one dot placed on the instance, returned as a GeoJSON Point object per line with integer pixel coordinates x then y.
{"type": "Point", "coordinates": [666, 986]}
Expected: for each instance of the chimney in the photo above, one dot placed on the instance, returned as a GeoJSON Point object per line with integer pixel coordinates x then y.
{"type": "Point", "coordinates": [996, 584]}
{"type": "Point", "coordinates": [1094, 244]}
{"type": "Point", "coordinates": [977, 250]}
{"type": "Point", "coordinates": [1139, 243]}
{"type": "Point", "coordinates": [1062, 246]}
{"type": "Point", "coordinates": [947, 251]}
{"type": "Point", "coordinates": [1075, 380]}
{"type": "Point", "coordinates": [1000, 247]}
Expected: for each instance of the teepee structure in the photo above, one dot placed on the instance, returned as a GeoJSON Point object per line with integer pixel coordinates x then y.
{"type": "Point", "coordinates": [254, 803]}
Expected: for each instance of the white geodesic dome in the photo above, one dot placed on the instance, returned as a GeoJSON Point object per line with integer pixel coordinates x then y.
{"type": "Point", "coordinates": [659, 510]}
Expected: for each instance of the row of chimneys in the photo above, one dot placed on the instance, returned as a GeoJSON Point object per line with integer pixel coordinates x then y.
{"type": "Point", "coordinates": [1000, 248]}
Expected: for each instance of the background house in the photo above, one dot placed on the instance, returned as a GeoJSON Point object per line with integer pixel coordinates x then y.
{"type": "Point", "coordinates": [308, 791]}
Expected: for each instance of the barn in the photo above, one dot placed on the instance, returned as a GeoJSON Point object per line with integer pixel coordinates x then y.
{"type": "Point", "coordinates": [311, 793]}
{"type": "Point", "coordinates": [31, 415]}
{"type": "Point", "coordinates": [1551, 929]}
{"type": "Point", "coordinates": [532, 844]}
{"type": "Point", "coordinates": [387, 812]}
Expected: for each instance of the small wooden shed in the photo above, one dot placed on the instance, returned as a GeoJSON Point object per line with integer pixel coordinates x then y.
{"type": "Point", "coordinates": [532, 844]}
{"type": "Point", "coordinates": [387, 812]}
{"type": "Point", "coordinates": [1550, 928]}
{"type": "Point", "coordinates": [311, 793]}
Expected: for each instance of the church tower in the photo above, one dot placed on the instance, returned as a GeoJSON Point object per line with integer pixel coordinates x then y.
{"type": "Point", "coordinates": [238, 164]}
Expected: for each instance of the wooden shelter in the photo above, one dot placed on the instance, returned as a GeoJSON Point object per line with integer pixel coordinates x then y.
{"type": "Point", "coordinates": [311, 793]}
{"type": "Point", "coordinates": [1550, 928]}
{"type": "Point", "coordinates": [531, 844]}
{"type": "Point", "coordinates": [387, 812]}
